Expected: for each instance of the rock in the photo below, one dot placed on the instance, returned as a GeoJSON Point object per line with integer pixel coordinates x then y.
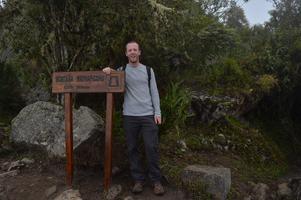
{"type": "Point", "coordinates": [3, 196]}
{"type": "Point", "coordinates": [295, 186]}
{"type": "Point", "coordinates": [182, 145]}
{"type": "Point", "coordinates": [260, 191]}
{"type": "Point", "coordinates": [220, 139]}
{"type": "Point", "coordinates": [42, 124]}
{"type": "Point", "coordinates": [216, 179]}
{"type": "Point", "coordinates": [5, 166]}
{"type": "Point", "coordinates": [248, 198]}
{"type": "Point", "coordinates": [115, 170]}
{"type": "Point", "coordinates": [252, 184]}
{"type": "Point", "coordinates": [9, 174]}
{"type": "Point", "coordinates": [128, 198]}
{"type": "Point", "coordinates": [50, 191]}
{"type": "Point", "coordinates": [113, 192]}
{"type": "Point", "coordinates": [69, 195]}
{"type": "Point", "coordinates": [10, 188]}
{"type": "Point", "coordinates": [27, 161]}
{"type": "Point", "coordinates": [284, 191]}
{"type": "Point", "coordinates": [15, 165]}
{"type": "Point", "coordinates": [2, 188]}
{"type": "Point", "coordinates": [273, 196]}
{"type": "Point", "coordinates": [210, 108]}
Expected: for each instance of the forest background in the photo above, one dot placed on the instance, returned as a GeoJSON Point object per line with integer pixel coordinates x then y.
{"type": "Point", "coordinates": [205, 46]}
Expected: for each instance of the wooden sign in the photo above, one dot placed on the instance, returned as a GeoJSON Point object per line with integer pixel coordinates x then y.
{"type": "Point", "coordinates": [88, 82]}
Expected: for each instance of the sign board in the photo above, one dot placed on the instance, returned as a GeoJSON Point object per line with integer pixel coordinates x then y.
{"type": "Point", "coordinates": [87, 82]}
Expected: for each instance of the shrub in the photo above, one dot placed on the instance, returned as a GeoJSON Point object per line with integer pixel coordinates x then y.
{"type": "Point", "coordinates": [267, 82]}
{"type": "Point", "coordinates": [175, 106]}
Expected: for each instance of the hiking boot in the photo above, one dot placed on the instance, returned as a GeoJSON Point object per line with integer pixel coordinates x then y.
{"type": "Point", "coordinates": [158, 189]}
{"type": "Point", "coordinates": [137, 188]}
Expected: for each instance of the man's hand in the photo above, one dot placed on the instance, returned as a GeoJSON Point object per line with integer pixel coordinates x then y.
{"type": "Point", "coordinates": [107, 70]}
{"type": "Point", "coordinates": [157, 119]}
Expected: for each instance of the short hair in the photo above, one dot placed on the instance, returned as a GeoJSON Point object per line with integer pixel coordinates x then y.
{"type": "Point", "coordinates": [132, 41]}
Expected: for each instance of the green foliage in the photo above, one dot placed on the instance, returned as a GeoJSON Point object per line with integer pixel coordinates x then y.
{"type": "Point", "coordinates": [267, 82]}
{"type": "Point", "coordinates": [84, 35]}
{"type": "Point", "coordinates": [10, 100]}
{"type": "Point", "coordinates": [118, 125]}
{"type": "Point", "coordinates": [251, 144]}
{"type": "Point", "coordinates": [235, 17]}
{"type": "Point", "coordinates": [227, 77]}
{"type": "Point", "coordinates": [284, 132]}
{"type": "Point", "coordinates": [233, 74]}
{"type": "Point", "coordinates": [175, 107]}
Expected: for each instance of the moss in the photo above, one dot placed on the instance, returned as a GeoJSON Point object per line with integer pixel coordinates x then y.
{"type": "Point", "coordinates": [5, 119]}
{"type": "Point", "coordinates": [193, 142]}
{"type": "Point", "coordinates": [235, 122]}
{"type": "Point", "coordinates": [282, 132]}
{"type": "Point", "coordinates": [198, 190]}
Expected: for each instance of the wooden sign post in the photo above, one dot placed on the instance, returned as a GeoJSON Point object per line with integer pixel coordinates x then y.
{"type": "Point", "coordinates": [88, 82]}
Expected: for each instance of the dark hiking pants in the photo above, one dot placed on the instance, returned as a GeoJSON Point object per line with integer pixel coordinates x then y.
{"type": "Point", "coordinates": [145, 127]}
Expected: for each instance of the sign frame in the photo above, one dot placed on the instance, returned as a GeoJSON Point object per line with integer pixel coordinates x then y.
{"type": "Point", "coordinates": [68, 83]}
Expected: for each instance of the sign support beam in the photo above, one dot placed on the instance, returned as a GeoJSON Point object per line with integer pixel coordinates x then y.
{"type": "Point", "coordinates": [69, 137]}
{"type": "Point", "coordinates": [108, 142]}
{"type": "Point", "coordinates": [88, 82]}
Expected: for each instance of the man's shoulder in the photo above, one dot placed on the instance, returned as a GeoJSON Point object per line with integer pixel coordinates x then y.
{"type": "Point", "coordinates": [143, 65]}
{"type": "Point", "coordinates": [146, 67]}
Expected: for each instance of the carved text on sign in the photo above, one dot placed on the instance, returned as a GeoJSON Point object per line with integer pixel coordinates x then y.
{"type": "Point", "coordinates": [87, 82]}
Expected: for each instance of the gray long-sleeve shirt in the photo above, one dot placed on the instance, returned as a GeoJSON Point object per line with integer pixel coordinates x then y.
{"type": "Point", "coordinates": [139, 100]}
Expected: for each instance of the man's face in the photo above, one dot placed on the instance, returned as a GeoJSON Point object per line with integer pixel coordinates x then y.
{"type": "Point", "coordinates": [133, 52]}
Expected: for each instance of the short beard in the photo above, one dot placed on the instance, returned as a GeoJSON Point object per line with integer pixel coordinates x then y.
{"type": "Point", "coordinates": [135, 61]}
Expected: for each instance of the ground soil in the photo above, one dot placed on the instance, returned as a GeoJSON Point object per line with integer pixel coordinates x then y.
{"type": "Point", "coordinates": [34, 179]}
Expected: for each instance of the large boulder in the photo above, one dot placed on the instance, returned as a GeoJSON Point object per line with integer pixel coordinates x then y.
{"type": "Point", "coordinates": [260, 191]}
{"type": "Point", "coordinates": [209, 108]}
{"type": "Point", "coordinates": [217, 180]}
{"type": "Point", "coordinates": [43, 124]}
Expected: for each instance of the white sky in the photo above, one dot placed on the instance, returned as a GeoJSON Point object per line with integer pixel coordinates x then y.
{"type": "Point", "coordinates": [256, 11]}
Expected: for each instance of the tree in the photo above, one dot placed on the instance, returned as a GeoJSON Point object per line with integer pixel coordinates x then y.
{"type": "Point", "coordinates": [235, 17]}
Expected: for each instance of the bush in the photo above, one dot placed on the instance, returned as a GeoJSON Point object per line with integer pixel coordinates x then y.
{"type": "Point", "coordinates": [267, 82]}
{"type": "Point", "coordinates": [175, 107]}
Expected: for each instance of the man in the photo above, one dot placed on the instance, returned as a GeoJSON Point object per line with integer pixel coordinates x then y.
{"type": "Point", "coordinates": [141, 115]}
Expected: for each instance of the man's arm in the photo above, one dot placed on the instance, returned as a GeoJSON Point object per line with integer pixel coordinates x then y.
{"type": "Point", "coordinates": [155, 98]}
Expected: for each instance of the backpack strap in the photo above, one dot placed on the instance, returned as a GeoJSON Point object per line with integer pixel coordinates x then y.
{"type": "Point", "coordinates": [148, 69]}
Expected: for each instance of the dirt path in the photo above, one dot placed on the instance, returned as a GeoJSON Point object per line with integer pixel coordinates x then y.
{"type": "Point", "coordinates": [34, 180]}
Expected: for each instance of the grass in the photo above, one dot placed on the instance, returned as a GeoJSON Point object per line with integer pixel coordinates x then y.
{"type": "Point", "coordinates": [245, 161]}
{"type": "Point", "coordinates": [283, 133]}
